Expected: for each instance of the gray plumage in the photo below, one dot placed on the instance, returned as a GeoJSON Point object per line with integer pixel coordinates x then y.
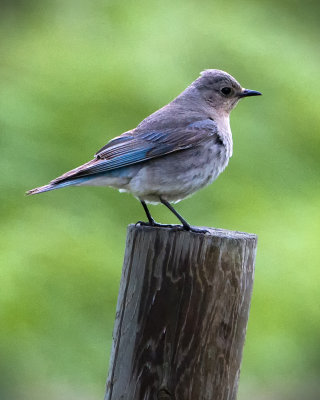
{"type": "Point", "coordinates": [171, 154]}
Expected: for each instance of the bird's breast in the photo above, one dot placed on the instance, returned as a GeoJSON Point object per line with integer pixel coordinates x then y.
{"type": "Point", "coordinates": [178, 175]}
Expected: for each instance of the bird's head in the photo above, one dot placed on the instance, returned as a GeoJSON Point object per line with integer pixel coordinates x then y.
{"type": "Point", "coordinates": [220, 90]}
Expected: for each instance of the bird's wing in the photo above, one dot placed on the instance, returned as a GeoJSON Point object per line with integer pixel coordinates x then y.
{"type": "Point", "coordinates": [133, 147]}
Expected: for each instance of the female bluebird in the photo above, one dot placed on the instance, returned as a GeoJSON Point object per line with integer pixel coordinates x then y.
{"type": "Point", "coordinates": [171, 154]}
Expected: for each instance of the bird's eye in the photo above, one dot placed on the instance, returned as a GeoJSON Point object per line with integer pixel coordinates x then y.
{"type": "Point", "coordinates": [226, 91]}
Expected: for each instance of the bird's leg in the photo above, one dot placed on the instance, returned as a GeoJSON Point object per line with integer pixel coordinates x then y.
{"type": "Point", "coordinates": [146, 209]}
{"type": "Point", "coordinates": [185, 224]}
{"type": "Point", "coordinates": [151, 222]}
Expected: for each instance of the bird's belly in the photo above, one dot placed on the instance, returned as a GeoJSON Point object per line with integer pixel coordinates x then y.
{"type": "Point", "coordinates": [178, 175]}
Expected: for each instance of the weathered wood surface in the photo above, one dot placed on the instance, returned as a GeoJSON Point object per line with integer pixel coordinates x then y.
{"type": "Point", "coordinates": [182, 315]}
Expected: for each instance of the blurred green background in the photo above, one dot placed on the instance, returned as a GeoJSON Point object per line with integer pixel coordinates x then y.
{"type": "Point", "coordinates": [74, 74]}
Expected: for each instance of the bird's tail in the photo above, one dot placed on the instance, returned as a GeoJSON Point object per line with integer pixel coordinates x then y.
{"type": "Point", "coordinates": [53, 186]}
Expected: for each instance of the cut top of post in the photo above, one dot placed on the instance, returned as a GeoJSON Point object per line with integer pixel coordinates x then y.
{"type": "Point", "coordinates": [214, 232]}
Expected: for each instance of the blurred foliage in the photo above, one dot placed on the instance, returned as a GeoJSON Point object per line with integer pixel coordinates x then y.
{"type": "Point", "coordinates": [74, 74]}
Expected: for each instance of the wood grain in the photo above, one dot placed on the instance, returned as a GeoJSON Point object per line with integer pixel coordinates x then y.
{"type": "Point", "coordinates": [182, 314]}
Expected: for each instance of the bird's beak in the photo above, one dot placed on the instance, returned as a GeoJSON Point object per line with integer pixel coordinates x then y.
{"type": "Point", "coordinates": [248, 92]}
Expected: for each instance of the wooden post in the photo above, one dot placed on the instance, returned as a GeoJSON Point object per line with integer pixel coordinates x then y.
{"type": "Point", "coordinates": [182, 315]}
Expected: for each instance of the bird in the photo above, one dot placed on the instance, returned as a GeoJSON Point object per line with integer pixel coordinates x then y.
{"type": "Point", "coordinates": [179, 149]}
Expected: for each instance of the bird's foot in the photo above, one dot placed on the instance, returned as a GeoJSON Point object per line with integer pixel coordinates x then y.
{"type": "Point", "coordinates": [157, 225]}
{"type": "Point", "coordinates": [188, 228]}
{"type": "Point", "coordinates": [194, 229]}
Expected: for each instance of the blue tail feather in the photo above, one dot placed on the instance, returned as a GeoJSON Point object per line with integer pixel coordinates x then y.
{"type": "Point", "coordinates": [53, 186]}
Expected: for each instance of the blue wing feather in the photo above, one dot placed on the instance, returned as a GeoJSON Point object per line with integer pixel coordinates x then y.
{"type": "Point", "coordinates": [138, 146]}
